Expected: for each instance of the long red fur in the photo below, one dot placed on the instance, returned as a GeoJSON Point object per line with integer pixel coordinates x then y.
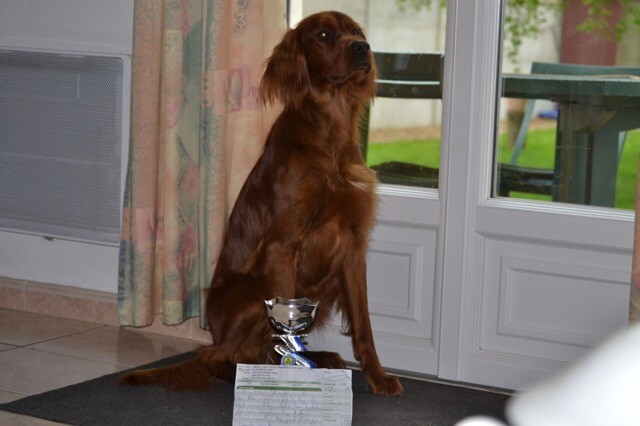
{"type": "Point", "coordinates": [301, 224]}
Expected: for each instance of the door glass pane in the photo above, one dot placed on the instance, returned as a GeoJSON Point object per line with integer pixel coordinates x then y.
{"type": "Point", "coordinates": [570, 106]}
{"type": "Point", "coordinates": [401, 138]}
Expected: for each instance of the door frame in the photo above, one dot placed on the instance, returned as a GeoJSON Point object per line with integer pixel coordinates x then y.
{"type": "Point", "coordinates": [469, 114]}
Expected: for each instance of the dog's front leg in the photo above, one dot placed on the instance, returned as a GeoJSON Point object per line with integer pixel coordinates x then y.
{"type": "Point", "coordinates": [355, 307]}
{"type": "Point", "coordinates": [280, 269]}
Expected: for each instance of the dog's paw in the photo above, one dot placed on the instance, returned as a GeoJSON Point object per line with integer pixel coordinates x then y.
{"type": "Point", "coordinates": [386, 385]}
{"type": "Point", "coordinates": [131, 379]}
{"type": "Point", "coordinates": [141, 377]}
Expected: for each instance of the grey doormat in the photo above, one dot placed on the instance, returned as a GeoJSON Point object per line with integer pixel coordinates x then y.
{"type": "Point", "coordinates": [103, 401]}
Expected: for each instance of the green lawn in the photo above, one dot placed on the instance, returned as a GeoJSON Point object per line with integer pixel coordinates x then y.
{"type": "Point", "coordinates": [538, 152]}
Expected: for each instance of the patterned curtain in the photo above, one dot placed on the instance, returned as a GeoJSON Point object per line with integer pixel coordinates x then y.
{"type": "Point", "coordinates": [197, 128]}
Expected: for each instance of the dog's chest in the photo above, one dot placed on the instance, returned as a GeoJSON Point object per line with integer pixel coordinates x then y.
{"type": "Point", "coordinates": [351, 180]}
{"type": "Point", "coordinates": [350, 194]}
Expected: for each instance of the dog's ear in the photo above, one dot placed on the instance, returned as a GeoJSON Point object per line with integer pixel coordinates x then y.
{"type": "Point", "coordinates": [286, 77]}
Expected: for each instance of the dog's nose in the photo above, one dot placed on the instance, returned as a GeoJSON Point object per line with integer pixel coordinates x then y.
{"type": "Point", "coordinates": [360, 47]}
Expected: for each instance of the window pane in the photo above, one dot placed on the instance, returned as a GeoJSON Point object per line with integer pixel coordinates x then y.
{"type": "Point", "coordinates": [571, 102]}
{"type": "Point", "coordinates": [403, 140]}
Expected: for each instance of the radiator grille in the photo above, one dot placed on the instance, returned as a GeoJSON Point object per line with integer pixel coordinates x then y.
{"type": "Point", "coordinates": [61, 144]}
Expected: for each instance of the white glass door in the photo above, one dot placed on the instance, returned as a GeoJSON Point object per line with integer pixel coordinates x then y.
{"type": "Point", "coordinates": [541, 282]}
{"type": "Point", "coordinates": [465, 282]}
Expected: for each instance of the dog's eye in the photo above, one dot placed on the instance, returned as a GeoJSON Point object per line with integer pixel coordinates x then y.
{"type": "Point", "coordinates": [324, 35]}
{"type": "Point", "coordinates": [355, 31]}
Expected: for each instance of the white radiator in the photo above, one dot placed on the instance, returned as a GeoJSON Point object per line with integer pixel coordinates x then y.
{"type": "Point", "coordinates": [64, 130]}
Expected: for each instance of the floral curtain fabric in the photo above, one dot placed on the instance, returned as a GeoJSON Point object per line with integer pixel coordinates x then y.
{"type": "Point", "coordinates": [197, 128]}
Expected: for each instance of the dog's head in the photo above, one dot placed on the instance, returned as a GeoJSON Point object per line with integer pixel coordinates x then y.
{"type": "Point", "coordinates": [327, 52]}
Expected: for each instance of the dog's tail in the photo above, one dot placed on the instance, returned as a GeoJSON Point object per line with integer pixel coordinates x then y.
{"type": "Point", "coordinates": [191, 374]}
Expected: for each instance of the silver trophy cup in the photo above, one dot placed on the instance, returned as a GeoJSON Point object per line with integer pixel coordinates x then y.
{"type": "Point", "coordinates": [290, 317]}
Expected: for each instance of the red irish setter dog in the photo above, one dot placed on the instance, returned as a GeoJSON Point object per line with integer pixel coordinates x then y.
{"type": "Point", "coordinates": [301, 223]}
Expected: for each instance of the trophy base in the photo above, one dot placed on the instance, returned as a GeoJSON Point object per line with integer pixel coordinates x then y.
{"type": "Point", "coordinates": [289, 357]}
{"type": "Point", "coordinates": [290, 351]}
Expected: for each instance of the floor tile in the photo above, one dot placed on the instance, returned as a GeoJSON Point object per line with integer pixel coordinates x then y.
{"type": "Point", "coordinates": [28, 371]}
{"type": "Point", "coordinates": [117, 346]}
{"type": "Point", "coordinates": [9, 396]}
{"type": "Point", "coordinates": [24, 328]}
{"type": "Point", "coordinates": [4, 347]}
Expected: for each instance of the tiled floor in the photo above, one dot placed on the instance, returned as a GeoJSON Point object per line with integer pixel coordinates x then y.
{"type": "Point", "coordinates": [39, 353]}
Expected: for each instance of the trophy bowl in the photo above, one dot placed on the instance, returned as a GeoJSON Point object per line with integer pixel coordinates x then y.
{"type": "Point", "coordinates": [291, 316]}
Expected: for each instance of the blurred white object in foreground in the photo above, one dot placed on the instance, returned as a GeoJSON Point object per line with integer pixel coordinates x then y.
{"type": "Point", "coordinates": [479, 421]}
{"type": "Point", "coordinates": [602, 389]}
